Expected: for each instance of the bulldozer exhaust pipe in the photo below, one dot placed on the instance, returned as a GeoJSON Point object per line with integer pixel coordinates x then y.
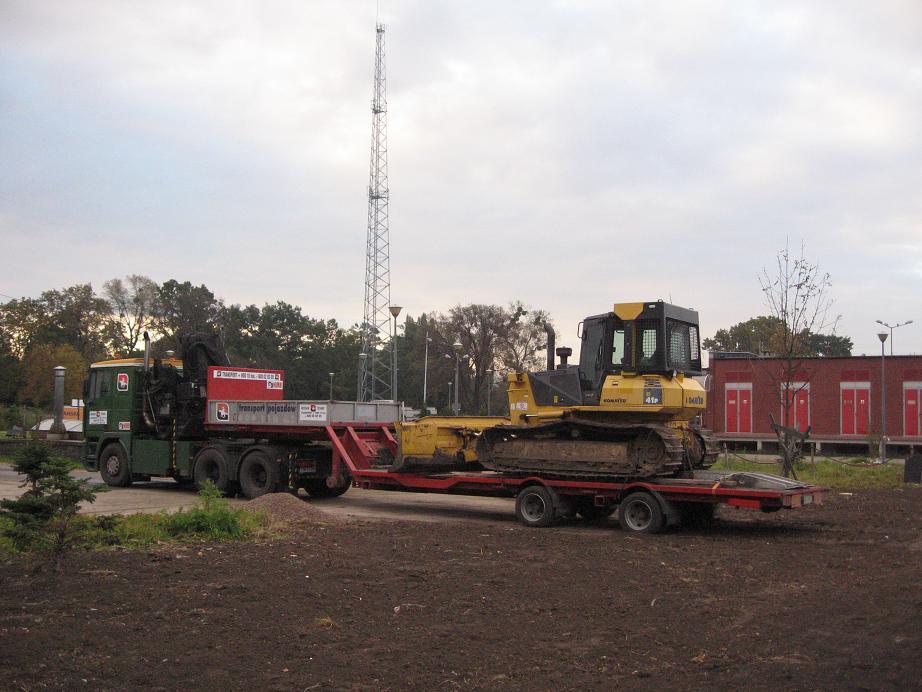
{"type": "Point", "coordinates": [146, 352]}
{"type": "Point", "coordinates": [551, 343]}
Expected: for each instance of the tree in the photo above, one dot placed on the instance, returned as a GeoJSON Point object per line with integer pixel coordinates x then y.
{"type": "Point", "coordinates": [133, 303]}
{"type": "Point", "coordinates": [764, 336]}
{"type": "Point", "coordinates": [38, 367]}
{"type": "Point", "coordinates": [493, 339]}
{"type": "Point", "coordinates": [182, 309]}
{"type": "Point", "coordinates": [74, 316]}
{"type": "Point", "coordinates": [797, 295]}
{"type": "Point", "coordinates": [45, 513]}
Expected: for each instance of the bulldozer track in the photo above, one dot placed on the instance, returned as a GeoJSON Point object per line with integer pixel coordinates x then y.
{"type": "Point", "coordinates": [586, 450]}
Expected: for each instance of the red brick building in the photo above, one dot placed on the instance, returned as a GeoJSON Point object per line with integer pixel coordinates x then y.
{"type": "Point", "coordinates": [839, 398]}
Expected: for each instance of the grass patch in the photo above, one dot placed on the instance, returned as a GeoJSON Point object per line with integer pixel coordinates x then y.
{"type": "Point", "coordinates": [829, 473]}
{"type": "Point", "coordinates": [212, 518]}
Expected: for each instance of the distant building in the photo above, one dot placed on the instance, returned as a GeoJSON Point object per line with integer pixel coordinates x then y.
{"type": "Point", "coordinates": [838, 398]}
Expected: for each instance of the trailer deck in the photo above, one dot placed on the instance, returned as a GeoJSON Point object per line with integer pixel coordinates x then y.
{"type": "Point", "coordinates": [357, 451]}
{"type": "Point", "coordinates": [364, 445]}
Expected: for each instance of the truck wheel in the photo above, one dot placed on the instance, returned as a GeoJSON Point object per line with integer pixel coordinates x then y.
{"type": "Point", "coordinates": [258, 475]}
{"type": "Point", "coordinates": [113, 466]}
{"type": "Point", "coordinates": [212, 466]}
{"type": "Point", "coordinates": [589, 511]}
{"type": "Point", "coordinates": [318, 489]}
{"type": "Point", "coordinates": [696, 514]}
{"type": "Point", "coordinates": [535, 507]}
{"type": "Point", "coordinates": [640, 512]}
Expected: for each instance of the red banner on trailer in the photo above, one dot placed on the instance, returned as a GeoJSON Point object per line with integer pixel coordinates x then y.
{"type": "Point", "coordinates": [246, 384]}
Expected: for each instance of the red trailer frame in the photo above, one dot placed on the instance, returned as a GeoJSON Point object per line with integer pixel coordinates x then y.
{"type": "Point", "coordinates": [357, 448]}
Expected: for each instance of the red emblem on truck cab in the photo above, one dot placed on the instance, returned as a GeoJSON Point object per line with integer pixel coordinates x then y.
{"type": "Point", "coordinates": [222, 412]}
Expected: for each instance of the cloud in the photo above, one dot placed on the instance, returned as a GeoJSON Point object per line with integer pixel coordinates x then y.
{"type": "Point", "coordinates": [569, 154]}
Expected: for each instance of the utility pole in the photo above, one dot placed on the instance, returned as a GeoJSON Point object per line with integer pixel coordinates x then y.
{"type": "Point", "coordinates": [374, 370]}
{"type": "Point", "coordinates": [883, 400]}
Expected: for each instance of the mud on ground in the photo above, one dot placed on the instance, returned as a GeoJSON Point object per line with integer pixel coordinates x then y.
{"type": "Point", "coordinates": [826, 597]}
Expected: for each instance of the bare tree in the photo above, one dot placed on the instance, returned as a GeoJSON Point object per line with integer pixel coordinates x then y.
{"type": "Point", "coordinates": [133, 303]}
{"type": "Point", "coordinates": [797, 295]}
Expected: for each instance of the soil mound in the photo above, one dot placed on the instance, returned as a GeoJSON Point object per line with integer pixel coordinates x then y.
{"type": "Point", "coordinates": [286, 507]}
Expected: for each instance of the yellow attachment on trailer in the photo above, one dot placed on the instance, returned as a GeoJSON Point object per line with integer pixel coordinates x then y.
{"type": "Point", "coordinates": [442, 440]}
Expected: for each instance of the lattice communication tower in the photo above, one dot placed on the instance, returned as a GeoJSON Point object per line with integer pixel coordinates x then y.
{"type": "Point", "coordinates": [375, 369]}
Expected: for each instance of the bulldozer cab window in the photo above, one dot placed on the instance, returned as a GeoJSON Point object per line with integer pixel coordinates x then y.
{"type": "Point", "coordinates": [617, 349]}
{"type": "Point", "coordinates": [592, 357]}
{"type": "Point", "coordinates": [649, 354]}
{"type": "Point", "coordinates": [682, 344]}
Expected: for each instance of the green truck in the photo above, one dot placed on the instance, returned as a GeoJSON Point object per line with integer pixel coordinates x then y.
{"type": "Point", "coordinates": [146, 418]}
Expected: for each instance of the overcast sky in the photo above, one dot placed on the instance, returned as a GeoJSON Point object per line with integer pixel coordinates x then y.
{"type": "Point", "coordinates": [567, 154]}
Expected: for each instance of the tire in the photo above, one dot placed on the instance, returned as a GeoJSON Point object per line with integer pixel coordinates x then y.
{"type": "Point", "coordinates": [589, 511]}
{"type": "Point", "coordinates": [640, 512]}
{"type": "Point", "coordinates": [212, 466]}
{"type": "Point", "coordinates": [535, 507]}
{"type": "Point", "coordinates": [113, 466]}
{"type": "Point", "coordinates": [258, 475]}
{"type": "Point", "coordinates": [318, 489]}
{"type": "Point", "coordinates": [697, 514]}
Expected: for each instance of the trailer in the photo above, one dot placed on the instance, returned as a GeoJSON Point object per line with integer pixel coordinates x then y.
{"type": "Point", "coordinates": [360, 454]}
{"type": "Point", "coordinates": [645, 506]}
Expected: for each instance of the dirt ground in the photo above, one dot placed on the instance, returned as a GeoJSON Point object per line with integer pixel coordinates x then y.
{"type": "Point", "coordinates": [820, 598]}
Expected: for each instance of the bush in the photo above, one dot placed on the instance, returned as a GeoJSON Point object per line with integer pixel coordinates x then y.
{"type": "Point", "coordinates": [212, 517]}
{"type": "Point", "coordinates": [45, 515]}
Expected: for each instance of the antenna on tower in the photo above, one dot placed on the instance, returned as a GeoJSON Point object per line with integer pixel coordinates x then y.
{"type": "Point", "coordinates": [374, 369]}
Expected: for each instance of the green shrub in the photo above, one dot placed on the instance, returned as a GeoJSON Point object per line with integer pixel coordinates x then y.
{"type": "Point", "coordinates": [212, 517]}
{"type": "Point", "coordinates": [45, 515]}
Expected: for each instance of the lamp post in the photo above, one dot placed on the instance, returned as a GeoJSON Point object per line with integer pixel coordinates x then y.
{"type": "Point", "coordinates": [883, 400]}
{"type": "Point", "coordinates": [331, 385]}
{"type": "Point", "coordinates": [426, 368]}
{"type": "Point", "coordinates": [891, 327]}
{"type": "Point", "coordinates": [359, 393]}
{"type": "Point", "coordinates": [457, 348]}
{"type": "Point", "coordinates": [489, 388]}
{"type": "Point", "coordinates": [449, 394]}
{"type": "Point", "coordinates": [395, 310]}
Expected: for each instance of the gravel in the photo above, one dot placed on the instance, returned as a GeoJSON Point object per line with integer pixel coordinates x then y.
{"type": "Point", "coordinates": [286, 507]}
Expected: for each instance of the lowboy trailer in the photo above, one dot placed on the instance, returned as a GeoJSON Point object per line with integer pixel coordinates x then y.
{"type": "Point", "coordinates": [645, 506]}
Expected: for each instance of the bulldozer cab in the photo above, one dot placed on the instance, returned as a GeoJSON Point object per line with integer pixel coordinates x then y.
{"type": "Point", "coordinates": [638, 339]}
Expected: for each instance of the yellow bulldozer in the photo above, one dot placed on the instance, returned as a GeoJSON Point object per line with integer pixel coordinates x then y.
{"type": "Point", "coordinates": [627, 410]}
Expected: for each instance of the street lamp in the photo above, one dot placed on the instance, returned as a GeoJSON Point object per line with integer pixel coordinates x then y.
{"type": "Point", "coordinates": [395, 310]}
{"type": "Point", "coordinates": [449, 394]}
{"type": "Point", "coordinates": [883, 400]}
{"type": "Point", "coordinates": [331, 385]}
{"type": "Point", "coordinates": [457, 348]}
{"type": "Point", "coordinates": [490, 372]}
{"type": "Point", "coordinates": [891, 327]}
{"type": "Point", "coordinates": [359, 390]}
{"type": "Point", "coordinates": [426, 368]}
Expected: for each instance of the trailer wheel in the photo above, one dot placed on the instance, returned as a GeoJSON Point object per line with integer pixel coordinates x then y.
{"type": "Point", "coordinates": [113, 466]}
{"type": "Point", "coordinates": [258, 475]}
{"type": "Point", "coordinates": [535, 507]}
{"type": "Point", "coordinates": [640, 512]}
{"type": "Point", "coordinates": [318, 489]}
{"type": "Point", "coordinates": [212, 466]}
{"type": "Point", "coordinates": [590, 511]}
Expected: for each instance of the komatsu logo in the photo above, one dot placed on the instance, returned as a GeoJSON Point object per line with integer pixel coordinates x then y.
{"type": "Point", "coordinates": [695, 400]}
